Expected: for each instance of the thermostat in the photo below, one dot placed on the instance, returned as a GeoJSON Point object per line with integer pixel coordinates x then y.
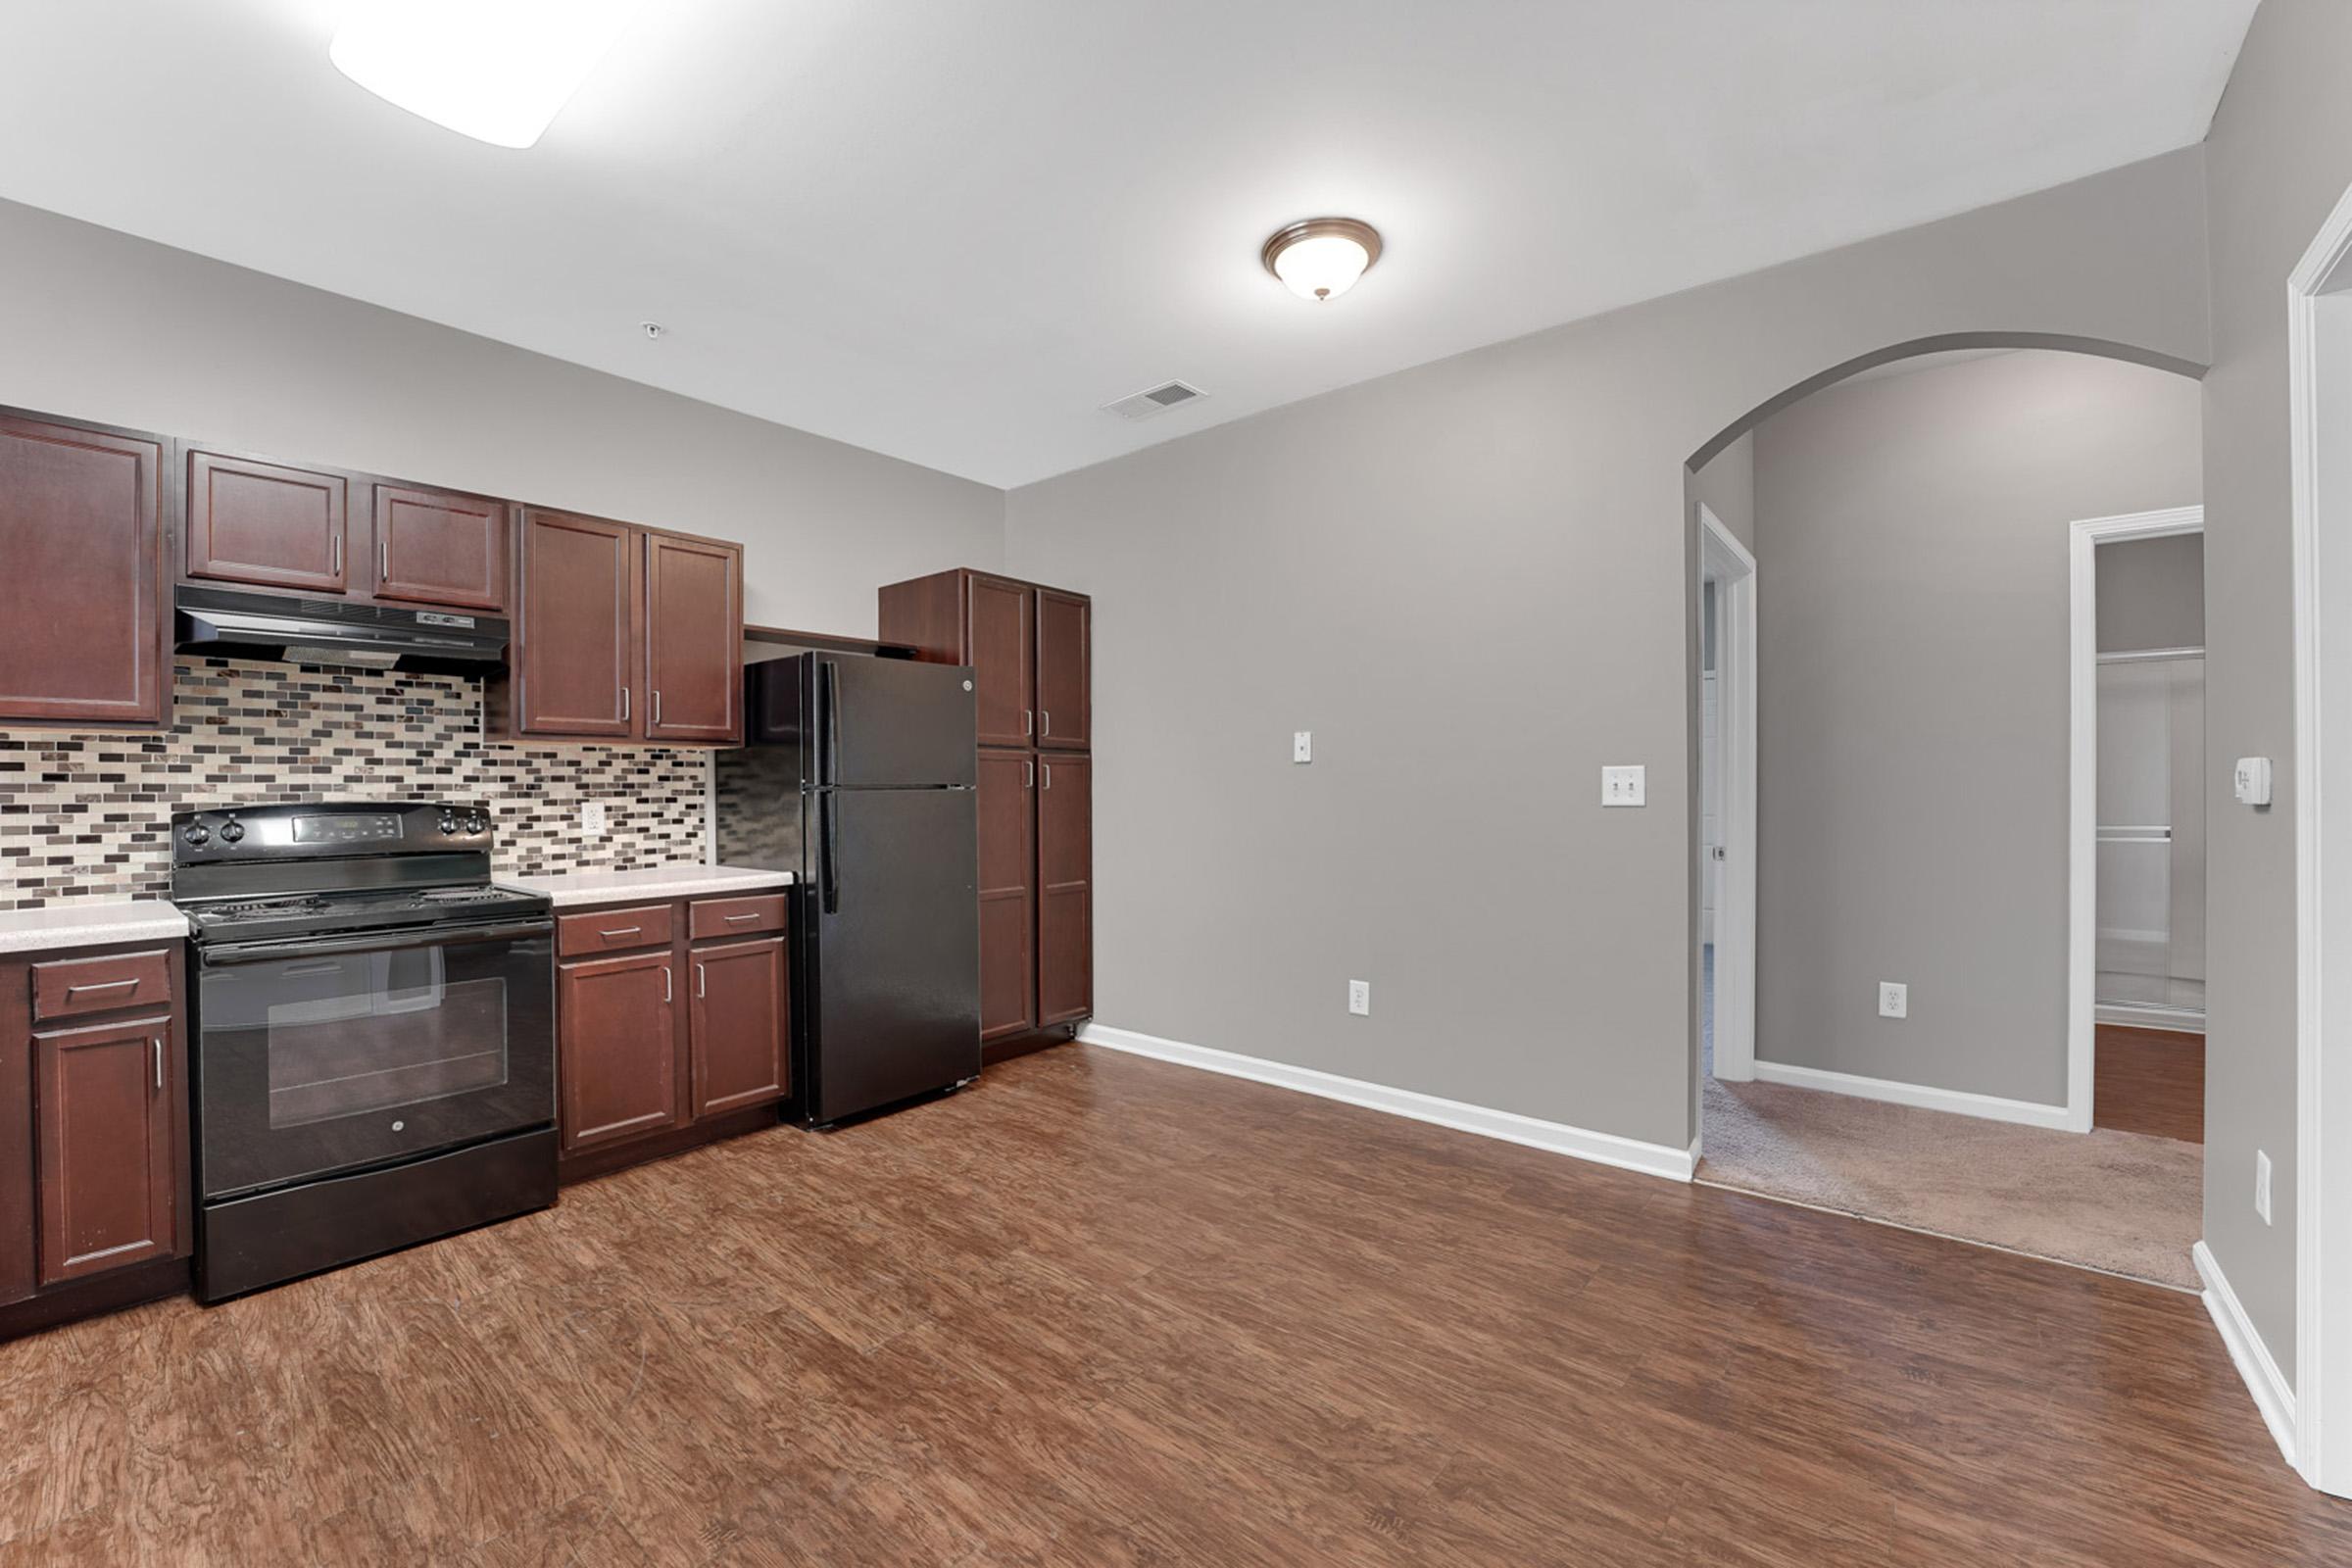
{"type": "Point", "coordinates": [2252, 781]}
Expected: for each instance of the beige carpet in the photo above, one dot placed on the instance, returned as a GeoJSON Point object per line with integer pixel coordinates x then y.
{"type": "Point", "coordinates": [2120, 1201]}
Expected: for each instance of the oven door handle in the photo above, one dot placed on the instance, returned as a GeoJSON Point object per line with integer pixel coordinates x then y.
{"type": "Point", "coordinates": [370, 942]}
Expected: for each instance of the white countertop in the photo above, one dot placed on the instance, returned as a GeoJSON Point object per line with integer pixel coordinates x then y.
{"type": "Point", "coordinates": [655, 882]}
{"type": "Point", "coordinates": [90, 923]}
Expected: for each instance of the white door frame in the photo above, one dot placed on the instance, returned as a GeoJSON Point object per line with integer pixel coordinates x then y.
{"type": "Point", "coordinates": [1733, 571]}
{"type": "Point", "coordinates": [2084, 536]}
{"type": "Point", "coordinates": [2319, 344]}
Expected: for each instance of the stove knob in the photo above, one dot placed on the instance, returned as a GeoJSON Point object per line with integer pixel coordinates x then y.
{"type": "Point", "coordinates": [197, 834]}
{"type": "Point", "coordinates": [474, 824]}
{"type": "Point", "coordinates": [449, 826]}
{"type": "Point", "coordinates": [232, 831]}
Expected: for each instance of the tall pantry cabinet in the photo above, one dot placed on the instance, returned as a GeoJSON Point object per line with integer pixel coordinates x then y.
{"type": "Point", "coordinates": [1029, 647]}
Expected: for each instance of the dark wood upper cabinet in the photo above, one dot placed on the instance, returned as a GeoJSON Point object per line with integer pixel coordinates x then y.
{"type": "Point", "coordinates": [1008, 893]}
{"type": "Point", "coordinates": [103, 1128]}
{"type": "Point", "coordinates": [693, 639]}
{"type": "Point", "coordinates": [265, 524]}
{"type": "Point", "coordinates": [1064, 657]}
{"type": "Point", "coordinates": [575, 659]}
{"type": "Point", "coordinates": [84, 625]}
{"type": "Point", "coordinates": [434, 547]}
{"type": "Point", "coordinates": [1002, 616]}
{"type": "Point", "coordinates": [737, 1025]}
{"type": "Point", "coordinates": [1065, 892]}
{"type": "Point", "coordinates": [616, 1048]}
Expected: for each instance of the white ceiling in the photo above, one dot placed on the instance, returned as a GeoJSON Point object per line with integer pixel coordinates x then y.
{"type": "Point", "coordinates": [949, 231]}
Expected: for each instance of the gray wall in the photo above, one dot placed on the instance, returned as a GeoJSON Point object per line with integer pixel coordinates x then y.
{"type": "Point", "coordinates": [1727, 483]}
{"type": "Point", "coordinates": [1473, 580]}
{"type": "Point", "coordinates": [1912, 693]}
{"type": "Point", "coordinates": [2280, 155]}
{"type": "Point", "coordinates": [2152, 594]}
{"type": "Point", "coordinates": [103, 327]}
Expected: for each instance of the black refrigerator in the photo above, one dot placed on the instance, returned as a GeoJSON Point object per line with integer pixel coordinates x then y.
{"type": "Point", "coordinates": [858, 775]}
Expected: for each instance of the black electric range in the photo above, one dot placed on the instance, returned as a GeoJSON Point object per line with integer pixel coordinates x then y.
{"type": "Point", "coordinates": [373, 1031]}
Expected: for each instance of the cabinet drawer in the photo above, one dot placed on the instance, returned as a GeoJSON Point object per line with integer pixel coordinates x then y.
{"type": "Point", "coordinates": [612, 930]}
{"type": "Point", "coordinates": [735, 917]}
{"type": "Point", "coordinates": [71, 987]}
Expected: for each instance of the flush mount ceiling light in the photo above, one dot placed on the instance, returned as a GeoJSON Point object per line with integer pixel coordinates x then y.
{"type": "Point", "coordinates": [1321, 258]}
{"type": "Point", "coordinates": [498, 71]}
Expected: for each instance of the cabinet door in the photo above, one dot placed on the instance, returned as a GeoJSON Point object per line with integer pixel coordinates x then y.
{"type": "Point", "coordinates": [1064, 694]}
{"type": "Point", "coordinates": [617, 1049]}
{"type": "Point", "coordinates": [437, 549]}
{"type": "Point", "coordinates": [1008, 893]}
{"type": "Point", "coordinates": [577, 654]}
{"type": "Point", "coordinates": [261, 523]}
{"type": "Point", "coordinates": [82, 619]}
{"type": "Point", "coordinates": [692, 640]}
{"type": "Point", "coordinates": [104, 1130]}
{"type": "Point", "coordinates": [739, 1028]}
{"type": "Point", "coordinates": [1066, 880]}
{"type": "Point", "coordinates": [1000, 622]}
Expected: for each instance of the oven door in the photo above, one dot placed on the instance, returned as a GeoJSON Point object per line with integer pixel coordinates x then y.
{"type": "Point", "coordinates": [338, 1054]}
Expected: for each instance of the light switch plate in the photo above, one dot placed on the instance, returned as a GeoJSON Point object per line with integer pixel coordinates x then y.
{"type": "Point", "coordinates": [1302, 746]}
{"type": "Point", "coordinates": [1359, 998]}
{"type": "Point", "coordinates": [2262, 1185]}
{"type": "Point", "coordinates": [2251, 781]}
{"type": "Point", "coordinates": [592, 818]}
{"type": "Point", "coordinates": [1625, 786]}
{"type": "Point", "coordinates": [1894, 999]}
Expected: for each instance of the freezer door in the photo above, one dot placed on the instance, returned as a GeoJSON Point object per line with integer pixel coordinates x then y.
{"type": "Point", "coordinates": [892, 723]}
{"type": "Point", "coordinates": [895, 1009]}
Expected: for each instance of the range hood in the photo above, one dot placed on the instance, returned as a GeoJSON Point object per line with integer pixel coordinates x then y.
{"type": "Point", "coordinates": [299, 629]}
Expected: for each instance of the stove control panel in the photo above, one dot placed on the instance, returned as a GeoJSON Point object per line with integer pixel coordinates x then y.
{"type": "Point", "coordinates": [328, 829]}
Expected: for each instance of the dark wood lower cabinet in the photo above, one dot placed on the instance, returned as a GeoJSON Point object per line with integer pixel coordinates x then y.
{"type": "Point", "coordinates": [1065, 889]}
{"type": "Point", "coordinates": [738, 1032]}
{"type": "Point", "coordinates": [96, 1201]}
{"type": "Point", "coordinates": [676, 1043]}
{"type": "Point", "coordinates": [1007, 813]}
{"type": "Point", "coordinates": [617, 1059]}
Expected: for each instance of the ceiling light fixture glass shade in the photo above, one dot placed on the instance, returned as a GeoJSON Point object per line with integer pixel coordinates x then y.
{"type": "Point", "coordinates": [1321, 258]}
{"type": "Point", "coordinates": [498, 71]}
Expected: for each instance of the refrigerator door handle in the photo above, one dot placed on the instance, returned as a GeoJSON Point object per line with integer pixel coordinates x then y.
{"type": "Point", "coordinates": [829, 869]}
{"type": "Point", "coordinates": [829, 766]}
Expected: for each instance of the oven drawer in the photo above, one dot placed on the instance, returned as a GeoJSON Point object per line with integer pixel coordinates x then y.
{"type": "Point", "coordinates": [613, 931]}
{"type": "Point", "coordinates": [735, 917]}
{"type": "Point", "coordinates": [71, 987]}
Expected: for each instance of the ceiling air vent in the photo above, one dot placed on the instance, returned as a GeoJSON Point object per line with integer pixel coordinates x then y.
{"type": "Point", "coordinates": [1158, 401]}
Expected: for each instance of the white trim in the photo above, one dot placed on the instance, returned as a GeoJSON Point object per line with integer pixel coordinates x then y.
{"type": "Point", "coordinates": [2083, 537]}
{"type": "Point", "coordinates": [2263, 1379]}
{"type": "Point", "coordinates": [1605, 1149]}
{"type": "Point", "coordinates": [1734, 569]}
{"type": "Point", "coordinates": [2164, 1020]}
{"type": "Point", "coordinates": [2323, 881]}
{"type": "Point", "coordinates": [1958, 1102]}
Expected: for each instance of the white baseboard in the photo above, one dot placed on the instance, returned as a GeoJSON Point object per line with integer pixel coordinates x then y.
{"type": "Point", "coordinates": [2273, 1394]}
{"type": "Point", "coordinates": [1960, 1103]}
{"type": "Point", "coordinates": [1607, 1149]}
{"type": "Point", "coordinates": [2177, 1021]}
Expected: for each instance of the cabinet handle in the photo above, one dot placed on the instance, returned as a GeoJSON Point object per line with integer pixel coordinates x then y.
{"type": "Point", "coordinates": [665, 995]}
{"type": "Point", "coordinates": [383, 560]}
{"type": "Point", "coordinates": [159, 1062]}
{"type": "Point", "coordinates": [624, 931]}
{"type": "Point", "coordinates": [697, 981]}
{"type": "Point", "coordinates": [334, 557]}
{"type": "Point", "coordinates": [1047, 771]}
{"type": "Point", "coordinates": [1045, 722]}
{"type": "Point", "coordinates": [100, 985]}
{"type": "Point", "coordinates": [1028, 722]}
{"type": "Point", "coordinates": [733, 919]}
{"type": "Point", "coordinates": [624, 704]}
{"type": "Point", "coordinates": [657, 705]}
{"type": "Point", "coordinates": [1028, 773]}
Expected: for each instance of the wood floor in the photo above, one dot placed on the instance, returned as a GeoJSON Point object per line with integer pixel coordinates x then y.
{"type": "Point", "coordinates": [1102, 1311]}
{"type": "Point", "coordinates": [2149, 1081]}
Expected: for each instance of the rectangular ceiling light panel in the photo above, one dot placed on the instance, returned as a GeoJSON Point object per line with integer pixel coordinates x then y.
{"type": "Point", "coordinates": [498, 71]}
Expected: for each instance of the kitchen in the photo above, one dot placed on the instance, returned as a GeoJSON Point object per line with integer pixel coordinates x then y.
{"type": "Point", "coordinates": [380, 858]}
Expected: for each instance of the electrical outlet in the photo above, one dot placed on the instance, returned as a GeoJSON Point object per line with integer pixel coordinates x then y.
{"type": "Point", "coordinates": [1894, 999]}
{"type": "Point", "coordinates": [2262, 1185]}
{"type": "Point", "coordinates": [1624, 786]}
{"type": "Point", "coordinates": [592, 818]}
{"type": "Point", "coordinates": [1302, 746]}
{"type": "Point", "coordinates": [1359, 998]}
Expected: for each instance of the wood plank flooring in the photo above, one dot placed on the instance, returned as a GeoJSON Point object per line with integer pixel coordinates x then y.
{"type": "Point", "coordinates": [2149, 1081]}
{"type": "Point", "coordinates": [1102, 1311]}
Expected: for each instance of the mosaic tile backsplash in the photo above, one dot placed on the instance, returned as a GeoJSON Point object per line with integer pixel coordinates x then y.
{"type": "Point", "coordinates": [90, 813]}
